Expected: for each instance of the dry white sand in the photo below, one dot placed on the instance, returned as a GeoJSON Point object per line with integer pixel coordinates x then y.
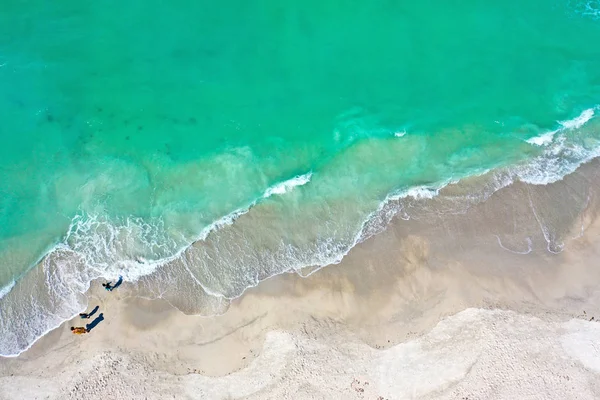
{"type": "Point", "coordinates": [475, 354]}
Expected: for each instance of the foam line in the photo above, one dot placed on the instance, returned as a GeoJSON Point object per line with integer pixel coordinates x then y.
{"type": "Point", "coordinates": [286, 186]}
{"type": "Point", "coordinates": [6, 289]}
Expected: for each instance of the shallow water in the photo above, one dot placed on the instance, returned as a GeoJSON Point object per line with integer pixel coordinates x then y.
{"type": "Point", "coordinates": [132, 130]}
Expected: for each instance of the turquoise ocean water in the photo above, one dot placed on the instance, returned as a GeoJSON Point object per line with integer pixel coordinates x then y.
{"type": "Point", "coordinates": [132, 129]}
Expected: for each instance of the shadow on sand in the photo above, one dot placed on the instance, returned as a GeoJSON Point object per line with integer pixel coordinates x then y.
{"type": "Point", "coordinates": [118, 283]}
{"type": "Point", "coordinates": [87, 315]}
{"type": "Point", "coordinates": [95, 322]}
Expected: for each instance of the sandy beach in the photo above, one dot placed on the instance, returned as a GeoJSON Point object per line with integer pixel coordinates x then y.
{"type": "Point", "coordinates": [448, 305]}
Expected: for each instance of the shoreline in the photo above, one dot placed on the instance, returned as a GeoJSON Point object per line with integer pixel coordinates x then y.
{"type": "Point", "coordinates": [375, 223]}
{"type": "Point", "coordinates": [420, 284]}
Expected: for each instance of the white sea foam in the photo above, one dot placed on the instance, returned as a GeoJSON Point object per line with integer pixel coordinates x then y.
{"type": "Point", "coordinates": [225, 220]}
{"type": "Point", "coordinates": [562, 155]}
{"type": "Point", "coordinates": [578, 121]}
{"type": "Point", "coordinates": [543, 139]}
{"type": "Point", "coordinates": [558, 161]}
{"type": "Point", "coordinates": [130, 247]}
{"type": "Point", "coordinates": [427, 191]}
{"type": "Point", "coordinates": [286, 186]}
{"type": "Point", "coordinates": [6, 289]}
{"type": "Point", "coordinates": [399, 134]}
{"type": "Point", "coordinates": [571, 124]}
{"type": "Point", "coordinates": [423, 192]}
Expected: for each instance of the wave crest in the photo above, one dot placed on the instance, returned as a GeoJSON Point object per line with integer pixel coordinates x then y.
{"type": "Point", "coordinates": [286, 186]}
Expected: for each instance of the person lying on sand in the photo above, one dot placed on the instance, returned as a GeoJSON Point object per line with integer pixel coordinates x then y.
{"type": "Point", "coordinates": [108, 286]}
{"type": "Point", "coordinates": [80, 330]}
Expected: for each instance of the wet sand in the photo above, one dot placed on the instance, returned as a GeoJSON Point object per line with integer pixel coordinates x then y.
{"type": "Point", "coordinates": [499, 299]}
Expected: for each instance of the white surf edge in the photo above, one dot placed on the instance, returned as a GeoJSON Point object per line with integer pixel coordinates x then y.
{"type": "Point", "coordinates": [6, 289]}
{"type": "Point", "coordinates": [288, 185]}
{"type": "Point", "coordinates": [574, 123]}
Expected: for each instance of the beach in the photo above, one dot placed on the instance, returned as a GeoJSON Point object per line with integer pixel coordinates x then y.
{"type": "Point", "coordinates": [456, 306]}
{"type": "Point", "coordinates": [300, 200]}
